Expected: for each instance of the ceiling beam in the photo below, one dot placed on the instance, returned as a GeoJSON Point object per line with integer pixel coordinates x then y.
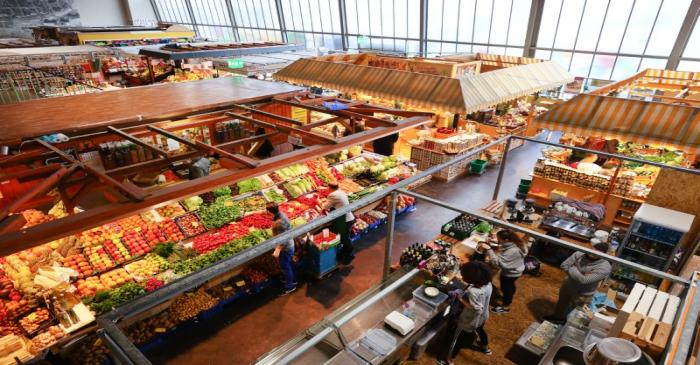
{"type": "Point", "coordinates": [308, 127]}
{"type": "Point", "coordinates": [269, 115]}
{"type": "Point", "coordinates": [23, 239]}
{"type": "Point", "coordinates": [137, 141]}
{"type": "Point", "coordinates": [130, 190]}
{"type": "Point", "coordinates": [286, 129]}
{"type": "Point", "coordinates": [369, 120]}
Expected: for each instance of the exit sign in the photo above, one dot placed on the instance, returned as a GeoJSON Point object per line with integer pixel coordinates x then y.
{"type": "Point", "coordinates": [235, 63]}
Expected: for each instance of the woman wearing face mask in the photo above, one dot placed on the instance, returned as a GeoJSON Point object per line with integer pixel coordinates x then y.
{"type": "Point", "coordinates": [511, 260]}
{"type": "Point", "coordinates": [584, 273]}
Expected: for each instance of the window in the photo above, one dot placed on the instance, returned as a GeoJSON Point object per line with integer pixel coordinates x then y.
{"type": "Point", "coordinates": [488, 26]}
{"type": "Point", "coordinates": [315, 23]}
{"type": "Point", "coordinates": [384, 25]}
{"type": "Point", "coordinates": [610, 39]}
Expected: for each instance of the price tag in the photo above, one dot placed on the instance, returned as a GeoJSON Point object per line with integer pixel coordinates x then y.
{"type": "Point", "coordinates": [137, 229]}
{"type": "Point", "coordinates": [190, 294]}
{"type": "Point", "coordinates": [159, 330]}
{"type": "Point", "coordinates": [228, 204]}
{"type": "Point", "coordinates": [228, 288]}
{"type": "Point", "coordinates": [98, 342]}
{"type": "Point", "coordinates": [195, 224]}
{"type": "Point", "coordinates": [240, 283]}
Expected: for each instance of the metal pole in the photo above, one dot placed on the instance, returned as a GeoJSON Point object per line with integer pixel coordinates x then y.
{"type": "Point", "coordinates": [389, 244]}
{"type": "Point", "coordinates": [683, 37]}
{"type": "Point", "coordinates": [501, 170]}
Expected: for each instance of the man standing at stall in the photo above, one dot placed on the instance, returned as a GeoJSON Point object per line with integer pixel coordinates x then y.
{"type": "Point", "coordinates": [584, 273]}
{"type": "Point", "coordinates": [338, 199]}
{"type": "Point", "coordinates": [284, 253]}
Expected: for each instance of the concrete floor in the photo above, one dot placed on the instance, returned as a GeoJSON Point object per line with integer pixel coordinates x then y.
{"type": "Point", "coordinates": [249, 329]}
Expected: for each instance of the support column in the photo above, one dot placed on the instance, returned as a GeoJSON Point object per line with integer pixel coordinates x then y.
{"type": "Point", "coordinates": [280, 19]}
{"type": "Point", "coordinates": [389, 244]}
{"type": "Point", "coordinates": [683, 35]}
{"type": "Point", "coordinates": [422, 37]}
{"type": "Point", "coordinates": [501, 170]}
{"type": "Point", "coordinates": [533, 28]}
{"type": "Point", "coordinates": [236, 36]}
{"type": "Point", "coordinates": [343, 24]}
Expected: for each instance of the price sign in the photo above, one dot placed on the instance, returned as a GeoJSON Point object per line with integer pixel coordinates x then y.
{"type": "Point", "coordinates": [228, 288]}
{"type": "Point", "coordinates": [235, 63]}
{"type": "Point", "coordinates": [159, 330]}
{"type": "Point", "coordinates": [240, 283]}
{"type": "Point", "coordinates": [294, 140]}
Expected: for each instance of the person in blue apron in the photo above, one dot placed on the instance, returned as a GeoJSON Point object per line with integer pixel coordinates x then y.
{"type": "Point", "coordinates": [284, 253]}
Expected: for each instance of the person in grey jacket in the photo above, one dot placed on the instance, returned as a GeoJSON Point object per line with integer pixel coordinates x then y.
{"type": "Point", "coordinates": [475, 299]}
{"type": "Point", "coordinates": [511, 260]}
{"type": "Point", "coordinates": [584, 273]}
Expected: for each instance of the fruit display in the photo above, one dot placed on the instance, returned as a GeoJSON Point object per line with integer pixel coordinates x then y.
{"type": "Point", "coordinates": [115, 278]}
{"type": "Point", "coordinates": [219, 213]}
{"type": "Point", "coordinates": [95, 236]}
{"type": "Point", "coordinates": [99, 259]}
{"type": "Point", "coordinates": [33, 321]}
{"type": "Point", "coordinates": [190, 225]}
{"type": "Point", "coordinates": [254, 203]}
{"type": "Point", "coordinates": [46, 339]}
{"type": "Point", "coordinates": [359, 226]}
{"type": "Point", "coordinates": [349, 186]}
{"type": "Point", "coordinates": [13, 350]}
{"type": "Point", "coordinates": [274, 195]}
{"type": "Point", "coordinates": [170, 210]}
{"type": "Point", "coordinates": [257, 220]}
{"type": "Point", "coordinates": [171, 230]}
{"type": "Point", "coordinates": [152, 284]}
{"type": "Point", "coordinates": [21, 274]}
{"type": "Point", "coordinates": [117, 251]}
{"type": "Point", "coordinates": [189, 305]}
{"type": "Point", "coordinates": [293, 209]}
{"type": "Point", "coordinates": [137, 244]}
{"type": "Point", "coordinates": [34, 217]}
{"type": "Point", "coordinates": [92, 351]}
{"type": "Point", "coordinates": [150, 265]}
{"type": "Point", "coordinates": [89, 286]}
{"type": "Point", "coordinates": [354, 167]}
{"type": "Point", "coordinates": [131, 222]}
{"type": "Point", "coordinates": [79, 263]}
{"type": "Point", "coordinates": [153, 235]}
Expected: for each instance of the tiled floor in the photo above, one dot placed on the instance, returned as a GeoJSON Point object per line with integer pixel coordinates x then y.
{"type": "Point", "coordinates": [251, 328]}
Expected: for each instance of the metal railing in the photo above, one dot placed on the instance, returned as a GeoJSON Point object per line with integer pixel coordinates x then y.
{"type": "Point", "coordinates": [129, 354]}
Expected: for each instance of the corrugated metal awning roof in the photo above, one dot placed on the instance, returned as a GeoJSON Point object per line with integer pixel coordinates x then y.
{"type": "Point", "coordinates": [462, 95]}
{"type": "Point", "coordinates": [638, 121]}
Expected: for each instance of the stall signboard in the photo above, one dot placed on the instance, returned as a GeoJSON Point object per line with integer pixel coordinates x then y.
{"type": "Point", "coordinates": [575, 86]}
{"type": "Point", "coordinates": [295, 140]}
{"type": "Point", "coordinates": [235, 63]}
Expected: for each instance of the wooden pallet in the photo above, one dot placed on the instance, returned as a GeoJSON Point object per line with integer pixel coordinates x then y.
{"type": "Point", "coordinates": [647, 319]}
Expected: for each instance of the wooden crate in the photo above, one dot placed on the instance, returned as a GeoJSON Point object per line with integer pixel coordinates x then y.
{"type": "Point", "coordinates": [647, 319]}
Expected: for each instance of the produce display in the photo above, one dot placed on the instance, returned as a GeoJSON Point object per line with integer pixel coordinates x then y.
{"type": "Point", "coordinates": [112, 264]}
{"type": "Point", "coordinates": [170, 210]}
{"type": "Point", "coordinates": [190, 224]}
{"type": "Point", "coordinates": [219, 213]}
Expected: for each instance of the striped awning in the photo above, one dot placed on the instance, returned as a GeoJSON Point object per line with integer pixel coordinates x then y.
{"type": "Point", "coordinates": [463, 95]}
{"type": "Point", "coordinates": [506, 84]}
{"type": "Point", "coordinates": [638, 121]}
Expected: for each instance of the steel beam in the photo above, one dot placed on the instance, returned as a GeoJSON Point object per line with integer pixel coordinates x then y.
{"type": "Point", "coordinates": [286, 129]}
{"type": "Point", "coordinates": [389, 244]}
{"type": "Point", "coordinates": [691, 17]}
{"type": "Point", "coordinates": [137, 141]}
{"type": "Point", "coordinates": [533, 27]}
{"type": "Point", "coordinates": [501, 170]}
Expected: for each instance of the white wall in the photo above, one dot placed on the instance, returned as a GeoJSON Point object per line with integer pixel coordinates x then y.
{"type": "Point", "coordinates": [102, 13]}
{"type": "Point", "coordinates": [141, 13]}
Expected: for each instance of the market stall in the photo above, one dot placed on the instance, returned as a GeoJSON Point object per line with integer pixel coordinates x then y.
{"type": "Point", "coordinates": [494, 103]}
{"type": "Point", "coordinates": [100, 246]}
{"type": "Point", "coordinates": [647, 318]}
{"type": "Point", "coordinates": [115, 36]}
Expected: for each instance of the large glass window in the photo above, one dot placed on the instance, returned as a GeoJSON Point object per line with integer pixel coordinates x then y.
{"type": "Point", "coordinates": [606, 39]}
{"type": "Point", "coordinates": [488, 26]}
{"type": "Point", "coordinates": [609, 39]}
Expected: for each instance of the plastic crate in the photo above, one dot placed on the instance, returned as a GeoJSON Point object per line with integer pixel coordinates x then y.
{"type": "Point", "coordinates": [322, 262]}
{"type": "Point", "coordinates": [477, 166]}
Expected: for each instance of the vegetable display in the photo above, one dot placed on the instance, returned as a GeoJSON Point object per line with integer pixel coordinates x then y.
{"type": "Point", "coordinates": [219, 213]}
{"type": "Point", "coordinates": [249, 185]}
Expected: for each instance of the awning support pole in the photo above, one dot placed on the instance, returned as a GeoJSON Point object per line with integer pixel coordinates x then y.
{"type": "Point", "coordinates": [389, 245]}
{"type": "Point", "coordinates": [501, 170]}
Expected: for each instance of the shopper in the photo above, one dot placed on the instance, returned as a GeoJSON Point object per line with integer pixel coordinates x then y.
{"type": "Point", "coordinates": [284, 253]}
{"type": "Point", "coordinates": [511, 261]}
{"type": "Point", "coordinates": [584, 273]}
{"type": "Point", "coordinates": [475, 299]}
{"type": "Point", "coordinates": [338, 199]}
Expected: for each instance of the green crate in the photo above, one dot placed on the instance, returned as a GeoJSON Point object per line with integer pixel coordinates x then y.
{"type": "Point", "coordinates": [477, 166]}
